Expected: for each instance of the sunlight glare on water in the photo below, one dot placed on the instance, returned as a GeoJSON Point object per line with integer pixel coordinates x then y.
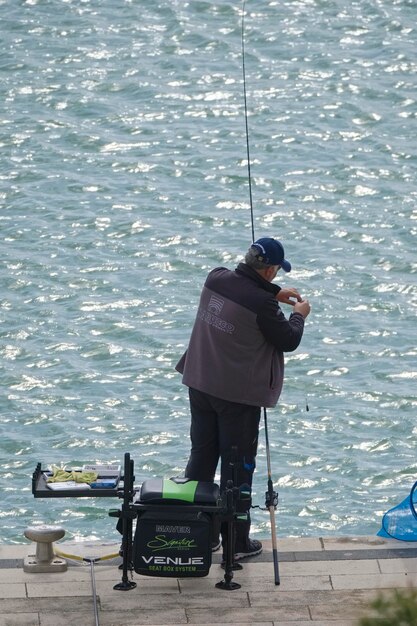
{"type": "Point", "coordinates": [124, 181]}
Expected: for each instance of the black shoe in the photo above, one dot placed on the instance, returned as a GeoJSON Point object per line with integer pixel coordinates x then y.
{"type": "Point", "coordinates": [252, 548]}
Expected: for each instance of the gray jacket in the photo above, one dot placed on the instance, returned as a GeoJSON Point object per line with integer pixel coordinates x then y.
{"type": "Point", "coordinates": [238, 339]}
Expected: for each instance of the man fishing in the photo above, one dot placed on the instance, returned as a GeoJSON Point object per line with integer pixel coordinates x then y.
{"type": "Point", "coordinates": [234, 365]}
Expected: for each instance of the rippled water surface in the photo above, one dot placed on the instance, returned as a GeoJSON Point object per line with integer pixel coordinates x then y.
{"type": "Point", "coordinates": [124, 180]}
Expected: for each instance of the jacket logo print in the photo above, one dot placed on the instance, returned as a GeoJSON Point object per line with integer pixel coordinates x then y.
{"type": "Point", "coordinates": [211, 315]}
{"type": "Point", "coordinates": [215, 305]}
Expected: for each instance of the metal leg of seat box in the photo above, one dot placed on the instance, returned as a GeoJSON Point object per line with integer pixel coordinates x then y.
{"type": "Point", "coordinates": [127, 519]}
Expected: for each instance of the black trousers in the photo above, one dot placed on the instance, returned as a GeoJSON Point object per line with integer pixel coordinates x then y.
{"type": "Point", "coordinates": [216, 427]}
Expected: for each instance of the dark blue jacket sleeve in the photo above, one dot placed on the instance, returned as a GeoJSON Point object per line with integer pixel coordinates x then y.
{"type": "Point", "coordinates": [284, 334]}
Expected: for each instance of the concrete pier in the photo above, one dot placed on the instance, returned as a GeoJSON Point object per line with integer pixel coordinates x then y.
{"type": "Point", "coordinates": [324, 582]}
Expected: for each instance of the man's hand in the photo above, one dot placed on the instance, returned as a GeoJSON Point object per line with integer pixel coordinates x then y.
{"type": "Point", "coordinates": [288, 296]}
{"type": "Point", "coordinates": [302, 307]}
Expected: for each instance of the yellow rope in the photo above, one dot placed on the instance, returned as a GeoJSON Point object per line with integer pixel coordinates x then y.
{"type": "Point", "coordinates": [86, 559]}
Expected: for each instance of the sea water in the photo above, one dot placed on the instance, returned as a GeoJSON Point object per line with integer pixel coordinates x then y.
{"type": "Point", "coordinates": [124, 181]}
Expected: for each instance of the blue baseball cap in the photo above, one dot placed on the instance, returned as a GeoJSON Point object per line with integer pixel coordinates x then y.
{"type": "Point", "coordinates": [271, 252]}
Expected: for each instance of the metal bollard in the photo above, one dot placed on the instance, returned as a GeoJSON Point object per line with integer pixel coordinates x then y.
{"type": "Point", "coordinates": [44, 560]}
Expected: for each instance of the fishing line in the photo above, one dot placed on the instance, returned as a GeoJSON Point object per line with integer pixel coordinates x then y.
{"type": "Point", "coordinates": [245, 100]}
{"type": "Point", "coordinates": [246, 120]}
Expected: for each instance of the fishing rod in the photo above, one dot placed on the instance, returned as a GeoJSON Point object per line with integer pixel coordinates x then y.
{"type": "Point", "coordinates": [271, 503]}
{"type": "Point", "coordinates": [271, 497]}
{"type": "Point", "coordinates": [245, 100]}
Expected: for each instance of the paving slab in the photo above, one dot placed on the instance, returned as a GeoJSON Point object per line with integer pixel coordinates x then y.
{"type": "Point", "coordinates": [141, 617]}
{"type": "Point", "coordinates": [14, 551]}
{"type": "Point", "coordinates": [343, 622]}
{"type": "Point", "coordinates": [259, 583]}
{"type": "Point", "coordinates": [296, 544]}
{"type": "Point", "coordinates": [324, 582]}
{"type": "Point", "coordinates": [333, 613]}
{"type": "Point", "coordinates": [219, 615]}
{"type": "Point", "coordinates": [312, 568]}
{"type": "Point", "coordinates": [144, 585]}
{"type": "Point", "coordinates": [371, 542]}
{"type": "Point", "coordinates": [21, 619]}
{"type": "Point", "coordinates": [41, 605]}
{"type": "Point", "coordinates": [392, 566]}
{"type": "Point", "coordinates": [12, 590]}
{"type": "Point", "coordinates": [73, 574]}
{"type": "Point", "coordinates": [56, 590]}
{"type": "Point", "coordinates": [333, 622]}
{"type": "Point", "coordinates": [312, 598]}
{"type": "Point", "coordinates": [248, 624]}
{"type": "Point", "coordinates": [129, 600]}
{"type": "Point", "coordinates": [381, 581]}
{"type": "Point", "coordinates": [76, 618]}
